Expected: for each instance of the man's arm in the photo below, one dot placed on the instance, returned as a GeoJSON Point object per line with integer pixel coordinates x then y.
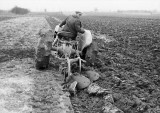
{"type": "Point", "coordinates": [63, 23]}
{"type": "Point", "coordinates": [78, 27]}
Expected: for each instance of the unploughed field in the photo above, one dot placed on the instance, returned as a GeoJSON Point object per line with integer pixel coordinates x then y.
{"type": "Point", "coordinates": [23, 89]}
{"type": "Point", "coordinates": [128, 64]}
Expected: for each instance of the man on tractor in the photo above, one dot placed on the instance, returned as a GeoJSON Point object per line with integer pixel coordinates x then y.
{"type": "Point", "coordinates": [72, 26]}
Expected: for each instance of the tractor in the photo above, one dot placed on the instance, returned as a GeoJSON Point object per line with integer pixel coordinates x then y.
{"type": "Point", "coordinates": [71, 53]}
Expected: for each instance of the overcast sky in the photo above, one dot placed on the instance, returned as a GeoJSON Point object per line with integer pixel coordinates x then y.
{"type": "Point", "coordinates": [82, 5]}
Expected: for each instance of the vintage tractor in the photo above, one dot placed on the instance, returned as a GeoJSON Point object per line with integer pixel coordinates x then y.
{"type": "Point", "coordinates": [70, 53]}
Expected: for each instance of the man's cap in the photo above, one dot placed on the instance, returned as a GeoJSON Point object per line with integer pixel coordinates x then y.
{"type": "Point", "coordinates": [78, 12]}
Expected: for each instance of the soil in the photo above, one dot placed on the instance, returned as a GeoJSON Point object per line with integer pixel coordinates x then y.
{"type": "Point", "coordinates": [128, 62]}
{"type": "Point", "coordinates": [129, 65]}
{"type": "Point", "coordinates": [15, 88]}
{"type": "Point", "coordinates": [23, 88]}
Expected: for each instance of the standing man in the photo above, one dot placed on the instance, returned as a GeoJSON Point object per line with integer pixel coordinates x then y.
{"type": "Point", "coordinates": [72, 26]}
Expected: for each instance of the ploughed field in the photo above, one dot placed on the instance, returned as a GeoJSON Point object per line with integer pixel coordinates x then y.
{"type": "Point", "coordinates": [128, 61]}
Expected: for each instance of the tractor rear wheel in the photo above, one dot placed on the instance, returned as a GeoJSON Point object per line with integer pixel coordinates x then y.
{"type": "Point", "coordinates": [43, 63]}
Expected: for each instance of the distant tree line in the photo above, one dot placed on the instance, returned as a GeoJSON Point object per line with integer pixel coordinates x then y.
{"type": "Point", "coordinates": [19, 10]}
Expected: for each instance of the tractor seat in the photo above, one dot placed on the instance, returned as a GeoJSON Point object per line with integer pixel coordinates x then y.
{"type": "Point", "coordinates": [66, 35]}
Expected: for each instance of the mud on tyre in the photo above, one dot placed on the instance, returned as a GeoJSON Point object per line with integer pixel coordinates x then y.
{"type": "Point", "coordinates": [41, 60]}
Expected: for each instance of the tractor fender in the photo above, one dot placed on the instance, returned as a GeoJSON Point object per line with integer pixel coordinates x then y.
{"type": "Point", "coordinates": [85, 40]}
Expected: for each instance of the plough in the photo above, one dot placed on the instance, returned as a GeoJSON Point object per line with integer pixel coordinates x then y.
{"type": "Point", "coordinates": [67, 52]}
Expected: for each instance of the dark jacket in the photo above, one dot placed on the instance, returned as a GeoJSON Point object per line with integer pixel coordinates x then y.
{"type": "Point", "coordinates": [72, 25]}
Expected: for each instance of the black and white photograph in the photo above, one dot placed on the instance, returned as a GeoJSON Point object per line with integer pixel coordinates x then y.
{"type": "Point", "coordinates": [79, 56]}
